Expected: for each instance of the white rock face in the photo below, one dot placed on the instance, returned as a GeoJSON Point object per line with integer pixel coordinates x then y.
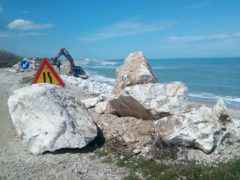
{"type": "Point", "coordinates": [104, 108]}
{"type": "Point", "coordinates": [91, 102]}
{"type": "Point", "coordinates": [47, 118]}
{"type": "Point", "coordinates": [203, 128]}
{"type": "Point", "coordinates": [151, 101]}
{"type": "Point", "coordinates": [89, 85]}
{"type": "Point", "coordinates": [135, 70]}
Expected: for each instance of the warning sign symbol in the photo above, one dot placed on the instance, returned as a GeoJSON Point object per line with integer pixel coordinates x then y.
{"type": "Point", "coordinates": [47, 74]}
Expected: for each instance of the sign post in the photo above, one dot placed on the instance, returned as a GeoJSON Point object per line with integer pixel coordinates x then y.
{"type": "Point", "coordinates": [24, 64]}
{"type": "Point", "coordinates": [47, 74]}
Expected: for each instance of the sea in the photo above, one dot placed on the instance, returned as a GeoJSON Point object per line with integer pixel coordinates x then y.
{"type": "Point", "coordinates": [207, 79]}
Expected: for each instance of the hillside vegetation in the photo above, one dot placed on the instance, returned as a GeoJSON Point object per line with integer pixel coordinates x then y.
{"type": "Point", "coordinates": [8, 59]}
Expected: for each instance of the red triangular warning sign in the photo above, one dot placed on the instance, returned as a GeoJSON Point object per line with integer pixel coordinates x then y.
{"type": "Point", "coordinates": [47, 74]}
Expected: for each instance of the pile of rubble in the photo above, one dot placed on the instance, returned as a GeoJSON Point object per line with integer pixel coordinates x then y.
{"type": "Point", "coordinates": [160, 113]}
{"type": "Point", "coordinates": [140, 113]}
{"type": "Point", "coordinates": [34, 64]}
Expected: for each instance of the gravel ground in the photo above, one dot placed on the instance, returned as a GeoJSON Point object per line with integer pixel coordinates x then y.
{"type": "Point", "coordinates": [56, 166]}
{"type": "Point", "coordinates": [16, 163]}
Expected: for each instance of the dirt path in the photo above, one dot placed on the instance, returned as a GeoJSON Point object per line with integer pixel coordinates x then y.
{"type": "Point", "coordinates": [17, 163]}
{"type": "Point", "coordinates": [8, 82]}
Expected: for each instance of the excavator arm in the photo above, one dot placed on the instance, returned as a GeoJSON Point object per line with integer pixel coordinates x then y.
{"type": "Point", "coordinates": [74, 70]}
{"type": "Point", "coordinates": [64, 52]}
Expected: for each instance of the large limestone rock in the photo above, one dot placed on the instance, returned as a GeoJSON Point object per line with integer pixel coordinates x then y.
{"type": "Point", "coordinates": [151, 101]}
{"type": "Point", "coordinates": [203, 128]}
{"type": "Point", "coordinates": [47, 118]}
{"type": "Point", "coordinates": [135, 70]}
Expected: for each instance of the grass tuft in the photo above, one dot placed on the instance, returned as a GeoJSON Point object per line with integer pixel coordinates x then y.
{"type": "Point", "coordinates": [98, 154]}
{"type": "Point", "coordinates": [151, 170]}
{"type": "Point", "coordinates": [27, 79]}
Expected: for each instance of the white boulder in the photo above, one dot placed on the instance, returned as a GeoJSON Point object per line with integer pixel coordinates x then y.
{"type": "Point", "coordinates": [47, 118]}
{"type": "Point", "coordinates": [203, 128]}
{"type": "Point", "coordinates": [91, 102]}
{"type": "Point", "coordinates": [135, 70]}
{"type": "Point", "coordinates": [151, 101]}
{"type": "Point", "coordinates": [105, 108]}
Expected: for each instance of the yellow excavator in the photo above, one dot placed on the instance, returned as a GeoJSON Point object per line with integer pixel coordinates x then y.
{"type": "Point", "coordinates": [74, 70]}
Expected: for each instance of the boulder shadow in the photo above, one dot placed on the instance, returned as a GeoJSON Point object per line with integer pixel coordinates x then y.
{"type": "Point", "coordinates": [92, 146]}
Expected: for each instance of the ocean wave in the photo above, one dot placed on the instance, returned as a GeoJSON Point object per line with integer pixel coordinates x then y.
{"type": "Point", "coordinates": [234, 101]}
{"type": "Point", "coordinates": [115, 66]}
{"type": "Point", "coordinates": [103, 79]}
{"type": "Point", "coordinates": [162, 67]}
{"type": "Point", "coordinates": [101, 67]}
{"type": "Point", "coordinates": [108, 63]}
{"type": "Point", "coordinates": [83, 63]}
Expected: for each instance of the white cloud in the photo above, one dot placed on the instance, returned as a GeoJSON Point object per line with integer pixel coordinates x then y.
{"type": "Point", "coordinates": [1, 9]}
{"type": "Point", "coordinates": [15, 35]}
{"type": "Point", "coordinates": [203, 38]}
{"type": "Point", "coordinates": [126, 28]}
{"type": "Point", "coordinates": [22, 24]}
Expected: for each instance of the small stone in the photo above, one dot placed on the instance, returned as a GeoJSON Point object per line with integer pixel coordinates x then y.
{"type": "Point", "coordinates": [82, 171]}
{"type": "Point", "coordinates": [121, 157]}
{"type": "Point", "coordinates": [137, 151]}
{"type": "Point", "coordinates": [146, 150]}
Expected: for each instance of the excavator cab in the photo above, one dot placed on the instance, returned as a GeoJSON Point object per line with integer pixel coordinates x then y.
{"type": "Point", "coordinates": [76, 71]}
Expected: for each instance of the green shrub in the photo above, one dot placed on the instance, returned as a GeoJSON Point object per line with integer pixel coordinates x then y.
{"type": "Point", "coordinates": [8, 59]}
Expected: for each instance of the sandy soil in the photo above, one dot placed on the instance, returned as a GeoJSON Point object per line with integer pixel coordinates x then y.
{"type": "Point", "coordinates": [8, 82]}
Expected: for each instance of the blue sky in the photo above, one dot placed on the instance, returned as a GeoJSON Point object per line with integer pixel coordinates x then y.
{"type": "Point", "coordinates": [108, 29]}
